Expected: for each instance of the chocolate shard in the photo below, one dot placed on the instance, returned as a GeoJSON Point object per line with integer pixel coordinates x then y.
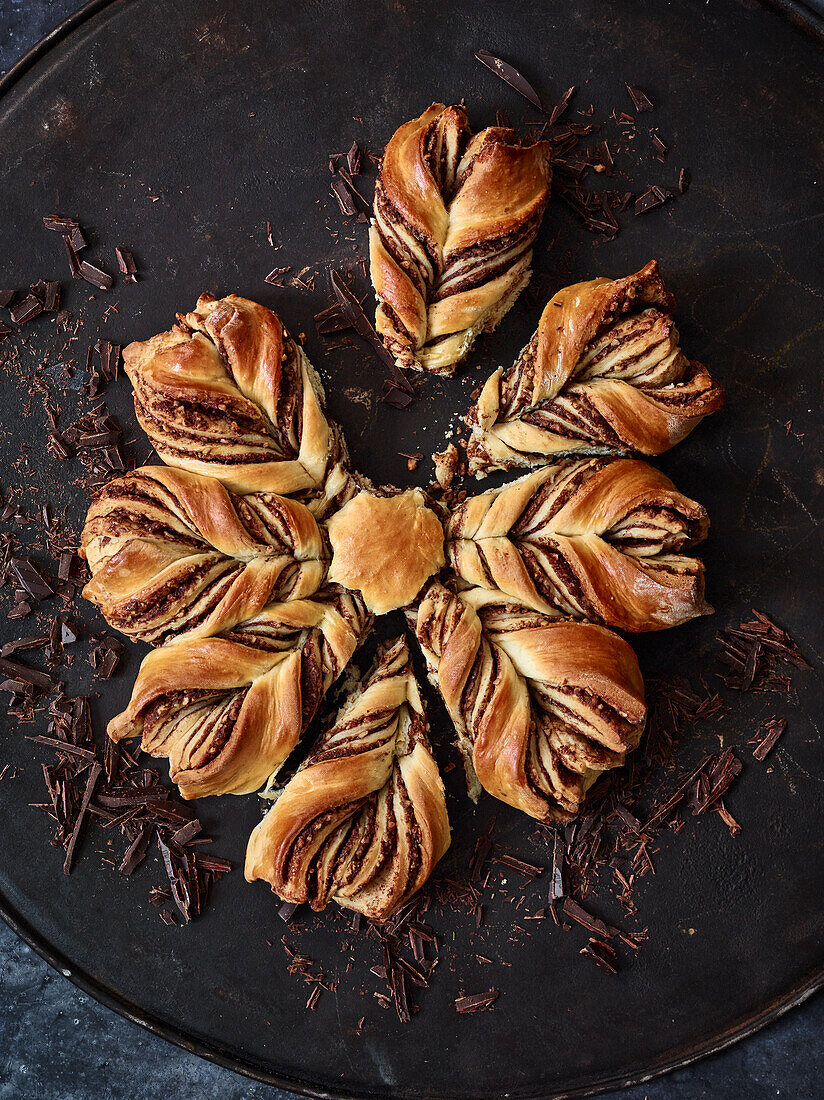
{"type": "Point", "coordinates": [60, 224]}
{"type": "Point", "coordinates": [74, 262]}
{"type": "Point", "coordinates": [51, 302]}
{"type": "Point", "coordinates": [96, 276]}
{"type": "Point", "coordinates": [561, 105]}
{"type": "Point", "coordinates": [773, 729]}
{"type": "Point", "coordinates": [477, 1002]}
{"type": "Point", "coordinates": [125, 261]}
{"type": "Point", "coordinates": [353, 310]}
{"type": "Point", "coordinates": [684, 180]}
{"type": "Point", "coordinates": [344, 196]}
{"type": "Point", "coordinates": [91, 782]}
{"type": "Point", "coordinates": [510, 75]}
{"type": "Point", "coordinates": [640, 99]}
{"type": "Point", "coordinates": [353, 159]}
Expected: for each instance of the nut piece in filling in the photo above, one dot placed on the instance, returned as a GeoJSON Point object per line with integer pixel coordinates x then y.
{"type": "Point", "coordinates": [385, 547]}
{"type": "Point", "coordinates": [542, 707]}
{"type": "Point", "coordinates": [604, 372]}
{"type": "Point", "coordinates": [450, 245]}
{"type": "Point", "coordinates": [363, 821]}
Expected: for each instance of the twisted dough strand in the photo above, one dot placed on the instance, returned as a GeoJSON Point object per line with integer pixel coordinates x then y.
{"type": "Point", "coordinates": [593, 539]}
{"type": "Point", "coordinates": [541, 706]}
{"type": "Point", "coordinates": [603, 372]}
{"type": "Point", "coordinates": [227, 711]}
{"type": "Point", "coordinates": [174, 554]}
{"type": "Point", "coordinates": [455, 218]}
{"type": "Point", "coordinates": [363, 821]}
{"type": "Point", "coordinates": [229, 394]}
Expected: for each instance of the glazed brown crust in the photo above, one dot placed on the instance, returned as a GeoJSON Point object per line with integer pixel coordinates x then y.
{"type": "Point", "coordinates": [603, 371]}
{"type": "Point", "coordinates": [385, 547]}
{"type": "Point", "coordinates": [455, 218]}
{"type": "Point", "coordinates": [541, 706]}
{"type": "Point", "coordinates": [228, 393]}
{"type": "Point", "coordinates": [592, 539]}
{"type": "Point", "coordinates": [363, 821]}
{"type": "Point", "coordinates": [227, 711]}
{"type": "Point", "coordinates": [174, 554]}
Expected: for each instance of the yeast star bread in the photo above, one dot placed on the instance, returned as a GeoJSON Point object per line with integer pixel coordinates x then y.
{"type": "Point", "coordinates": [450, 244]}
{"type": "Point", "coordinates": [363, 821]}
{"type": "Point", "coordinates": [541, 706]}
{"type": "Point", "coordinates": [603, 372]}
{"type": "Point", "coordinates": [228, 393]}
{"type": "Point", "coordinates": [594, 539]}
{"type": "Point", "coordinates": [174, 554]}
{"type": "Point", "coordinates": [227, 711]}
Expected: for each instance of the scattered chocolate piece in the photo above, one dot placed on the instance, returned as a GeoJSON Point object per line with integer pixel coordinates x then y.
{"type": "Point", "coordinates": [125, 261]}
{"type": "Point", "coordinates": [26, 309]}
{"type": "Point", "coordinates": [31, 579]}
{"type": "Point", "coordinates": [602, 954]}
{"type": "Point", "coordinates": [651, 198]}
{"type": "Point", "coordinates": [74, 262]}
{"type": "Point", "coordinates": [773, 729]}
{"type": "Point", "coordinates": [94, 775]}
{"type": "Point", "coordinates": [59, 224]}
{"type": "Point", "coordinates": [353, 311]}
{"type": "Point", "coordinates": [77, 240]}
{"type": "Point", "coordinates": [510, 75]}
{"type": "Point", "coordinates": [660, 148]}
{"type": "Point", "coordinates": [276, 276]}
{"type": "Point", "coordinates": [640, 100]}
{"type": "Point", "coordinates": [353, 159]}
{"type": "Point", "coordinates": [684, 180]}
{"type": "Point", "coordinates": [96, 276]}
{"type": "Point", "coordinates": [344, 197]}
{"type": "Point", "coordinates": [561, 106]}
{"type": "Point", "coordinates": [477, 1002]}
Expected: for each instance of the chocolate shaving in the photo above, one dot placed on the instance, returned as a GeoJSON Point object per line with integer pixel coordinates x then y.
{"type": "Point", "coordinates": [510, 75]}
{"type": "Point", "coordinates": [94, 775]}
{"type": "Point", "coordinates": [773, 729]}
{"type": "Point", "coordinates": [276, 276]}
{"type": "Point", "coordinates": [74, 262]}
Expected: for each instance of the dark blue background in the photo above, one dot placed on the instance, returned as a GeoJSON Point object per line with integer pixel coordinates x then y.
{"type": "Point", "coordinates": [55, 1042]}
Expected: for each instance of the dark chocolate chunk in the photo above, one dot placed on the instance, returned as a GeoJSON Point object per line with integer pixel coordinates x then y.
{"type": "Point", "coordinates": [51, 302]}
{"type": "Point", "coordinates": [353, 310]}
{"type": "Point", "coordinates": [276, 276]}
{"type": "Point", "coordinates": [26, 309]}
{"type": "Point", "coordinates": [94, 775]}
{"type": "Point", "coordinates": [31, 579]}
{"type": "Point", "coordinates": [96, 276]}
{"type": "Point", "coordinates": [477, 1002]}
{"type": "Point", "coordinates": [125, 261]}
{"type": "Point", "coordinates": [640, 100]}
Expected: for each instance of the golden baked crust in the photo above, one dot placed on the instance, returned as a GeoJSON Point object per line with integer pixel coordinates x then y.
{"type": "Point", "coordinates": [174, 554]}
{"type": "Point", "coordinates": [455, 219]}
{"type": "Point", "coordinates": [603, 372]}
{"type": "Point", "coordinates": [227, 711]}
{"type": "Point", "coordinates": [593, 539]}
{"type": "Point", "coordinates": [541, 706]}
{"type": "Point", "coordinates": [363, 821]}
{"type": "Point", "coordinates": [228, 393]}
{"type": "Point", "coordinates": [385, 547]}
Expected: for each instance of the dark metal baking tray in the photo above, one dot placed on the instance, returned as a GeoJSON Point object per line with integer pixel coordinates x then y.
{"type": "Point", "coordinates": [178, 130]}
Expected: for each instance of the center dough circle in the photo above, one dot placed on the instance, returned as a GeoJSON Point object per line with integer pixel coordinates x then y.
{"type": "Point", "coordinates": [385, 547]}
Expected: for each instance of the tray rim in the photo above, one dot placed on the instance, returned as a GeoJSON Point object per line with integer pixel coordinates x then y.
{"type": "Point", "coordinates": [806, 20]}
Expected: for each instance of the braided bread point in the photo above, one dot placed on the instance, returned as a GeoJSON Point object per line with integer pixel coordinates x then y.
{"type": "Point", "coordinates": [229, 394]}
{"type": "Point", "coordinates": [542, 707]}
{"type": "Point", "coordinates": [174, 554]}
{"type": "Point", "coordinates": [363, 821]}
{"type": "Point", "coordinates": [455, 219]}
{"type": "Point", "coordinates": [227, 711]}
{"type": "Point", "coordinates": [593, 539]}
{"type": "Point", "coordinates": [603, 372]}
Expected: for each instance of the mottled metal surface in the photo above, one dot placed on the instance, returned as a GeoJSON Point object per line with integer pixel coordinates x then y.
{"type": "Point", "coordinates": [180, 134]}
